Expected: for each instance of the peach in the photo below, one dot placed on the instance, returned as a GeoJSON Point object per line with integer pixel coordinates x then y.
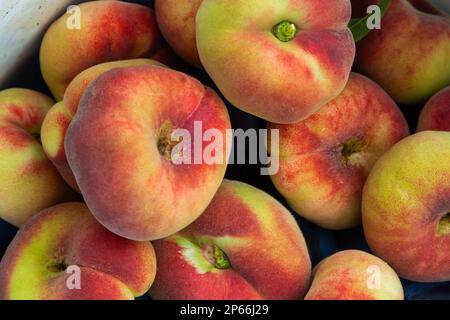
{"type": "Point", "coordinates": [278, 60]}
{"type": "Point", "coordinates": [120, 146]}
{"type": "Point", "coordinates": [435, 115]}
{"type": "Point", "coordinates": [246, 245]}
{"type": "Point", "coordinates": [354, 275]}
{"type": "Point", "coordinates": [408, 56]}
{"type": "Point", "coordinates": [58, 119]}
{"type": "Point", "coordinates": [176, 20]}
{"type": "Point", "coordinates": [406, 207]}
{"type": "Point", "coordinates": [28, 180]}
{"type": "Point", "coordinates": [108, 31]}
{"type": "Point", "coordinates": [325, 159]}
{"type": "Point", "coordinates": [38, 262]}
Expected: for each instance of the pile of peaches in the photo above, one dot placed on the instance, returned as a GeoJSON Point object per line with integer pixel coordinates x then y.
{"type": "Point", "coordinates": [92, 184]}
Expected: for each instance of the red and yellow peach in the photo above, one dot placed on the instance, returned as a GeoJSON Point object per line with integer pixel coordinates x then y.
{"type": "Point", "coordinates": [406, 207]}
{"type": "Point", "coordinates": [119, 146]}
{"type": "Point", "coordinates": [37, 263]}
{"type": "Point", "coordinates": [108, 31]}
{"type": "Point", "coordinates": [435, 115]}
{"type": "Point", "coordinates": [246, 245]}
{"type": "Point", "coordinates": [28, 180]}
{"type": "Point", "coordinates": [176, 20]}
{"type": "Point", "coordinates": [408, 56]}
{"type": "Point", "coordinates": [278, 60]}
{"type": "Point", "coordinates": [354, 275]}
{"type": "Point", "coordinates": [58, 118]}
{"type": "Point", "coordinates": [325, 159]}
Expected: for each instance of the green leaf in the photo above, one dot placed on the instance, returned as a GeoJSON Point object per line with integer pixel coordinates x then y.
{"type": "Point", "coordinates": [358, 26]}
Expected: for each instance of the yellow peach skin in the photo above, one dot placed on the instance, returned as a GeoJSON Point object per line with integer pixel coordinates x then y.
{"type": "Point", "coordinates": [246, 245]}
{"type": "Point", "coordinates": [278, 60]}
{"type": "Point", "coordinates": [108, 31]}
{"type": "Point", "coordinates": [325, 159]}
{"type": "Point", "coordinates": [406, 207]}
{"type": "Point", "coordinates": [38, 263]}
{"type": "Point", "coordinates": [28, 180]}
{"type": "Point", "coordinates": [354, 275]}
{"type": "Point", "coordinates": [58, 119]}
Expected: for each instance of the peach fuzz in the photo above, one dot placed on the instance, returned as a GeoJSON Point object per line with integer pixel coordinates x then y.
{"type": "Point", "coordinates": [119, 146]}
{"type": "Point", "coordinates": [176, 20]}
{"type": "Point", "coordinates": [246, 245]}
{"type": "Point", "coordinates": [325, 159]}
{"type": "Point", "coordinates": [28, 180]}
{"type": "Point", "coordinates": [109, 31]}
{"type": "Point", "coordinates": [58, 118]}
{"type": "Point", "coordinates": [35, 264]}
{"type": "Point", "coordinates": [406, 207]}
{"type": "Point", "coordinates": [354, 275]}
{"type": "Point", "coordinates": [435, 115]}
{"type": "Point", "coordinates": [278, 60]}
{"type": "Point", "coordinates": [409, 55]}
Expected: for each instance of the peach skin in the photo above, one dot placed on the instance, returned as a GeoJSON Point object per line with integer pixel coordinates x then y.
{"type": "Point", "coordinates": [409, 55]}
{"type": "Point", "coordinates": [406, 207]}
{"type": "Point", "coordinates": [176, 20]}
{"type": "Point", "coordinates": [28, 180]}
{"type": "Point", "coordinates": [435, 115]}
{"type": "Point", "coordinates": [325, 159]}
{"type": "Point", "coordinates": [354, 275]}
{"type": "Point", "coordinates": [246, 245]}
{"type": "Point", "coordinates": [58, 119]}
{"type": "Point", "coordinates": [121, 150]}
{"type": "Point", "coordinates": [38, 263]}
{"type": "Point", "coordinates": [278, 60]}
{"type": "Point", "coordinates": [108, 31]}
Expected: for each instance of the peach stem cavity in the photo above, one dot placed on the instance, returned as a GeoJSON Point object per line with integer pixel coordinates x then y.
{"type": "Point", "coordinates": [350, 148]}
{"type": "Point", "coordinates": [285, 31]}
{"type": "Point", "coordinates": [217, 257]}
{"type": "Point", "coordinates": [443, 227]}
